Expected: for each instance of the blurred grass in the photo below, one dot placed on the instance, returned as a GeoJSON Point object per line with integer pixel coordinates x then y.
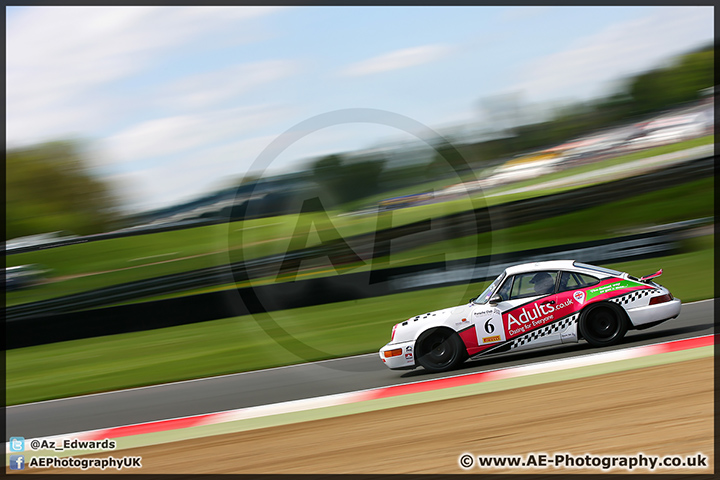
{"type": "Point", "coordinates": [240, 344]}
{"type": "Point", "coordinates": [205, 349]}
{"type": "Point", "coordinates": [684, 202]}
{"type": "Point", "coordinates": [689, 276]}
{"type": "Point", "coordinates": [104, 263]}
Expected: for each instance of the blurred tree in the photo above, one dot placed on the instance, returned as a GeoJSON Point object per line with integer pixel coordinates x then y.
{"type": "Point", "coordinates": [648, 91]}
{"type": "Point", "coordinates": [361, 179]}
{"type": "Point", "coordinates": [327, 173]}
{"type": "Point", "coordinates": [49, 188]}
{"type": "Point", "coordinates": [448, 162]}
{"type": "Point", "coordinates": [342, 182]}
{"type": "Point", "coordinates": [614, 108]}
{"type": "Point", "coordinates": [678, 83]}
{"type": "Point", "coordinates": [694, 72]}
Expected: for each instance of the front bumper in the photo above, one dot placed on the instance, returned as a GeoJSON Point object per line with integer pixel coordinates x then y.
{"type": "Point", "coordinates": [654, 313]}
{"type": "Point", "coordinates": [406, 359]}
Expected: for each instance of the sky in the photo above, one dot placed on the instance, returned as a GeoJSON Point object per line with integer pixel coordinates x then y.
{"type": "Point", "coordinates": [172, 102]}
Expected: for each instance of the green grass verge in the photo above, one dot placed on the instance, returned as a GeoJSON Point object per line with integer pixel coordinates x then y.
{"type": "Point", "coordinates": [147, 256]}
{"type": "Point", "coordinates": [286, 337]}
{"type": "Point", "coordinates": [689, 276]}
{"type": "Point", "coordinates": [684, 202]}
{"type": "Point", "coordinates": [115, 261]}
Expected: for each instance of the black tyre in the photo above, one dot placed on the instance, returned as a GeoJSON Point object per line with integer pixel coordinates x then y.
{"type": "Point", "coordinates": [440, 350]}
{"type": "Point", "coordinates": [603, 325]}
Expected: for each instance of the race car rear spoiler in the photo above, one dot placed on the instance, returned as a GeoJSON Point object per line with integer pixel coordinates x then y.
{"type": "Point", "coordinates": [648, 277]}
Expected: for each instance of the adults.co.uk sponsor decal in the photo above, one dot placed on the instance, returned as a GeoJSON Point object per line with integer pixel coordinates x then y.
{"type": "Point", "coordinates": [535, 316]}
{"type": "Point", "coordinates": [529, 318]}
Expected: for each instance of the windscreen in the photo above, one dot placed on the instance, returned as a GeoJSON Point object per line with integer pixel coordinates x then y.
{"type": "Point", "coordinates": [485, 295]}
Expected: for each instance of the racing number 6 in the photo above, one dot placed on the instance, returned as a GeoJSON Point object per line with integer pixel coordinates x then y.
{"type": "Point", "coordinates": [489, 327]}
{"type": "Point", "coordinates": [489, 330]}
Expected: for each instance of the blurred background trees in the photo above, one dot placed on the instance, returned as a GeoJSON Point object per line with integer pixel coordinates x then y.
{"type": "Point", "coordinates": [341, 181]}
{"type": "Point", "coordinates": [49, 188]}
{"type": "Point", "coordinates": [677, 83]}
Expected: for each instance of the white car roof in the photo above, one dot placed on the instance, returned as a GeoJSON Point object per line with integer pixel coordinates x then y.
{"type": "Point", "coordinates": [550, 265]}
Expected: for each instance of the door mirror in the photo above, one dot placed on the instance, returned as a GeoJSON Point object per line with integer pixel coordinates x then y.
{"type": "Point", "coordinates": [495, 299]}
{"type": "Point", "coordinates": [472, 299]}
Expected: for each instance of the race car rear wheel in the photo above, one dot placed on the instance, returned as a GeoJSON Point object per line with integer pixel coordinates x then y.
{"type": "Point", "coordinates": [440, 350]}
{"type": "Point", "coordinates": [603, 325]}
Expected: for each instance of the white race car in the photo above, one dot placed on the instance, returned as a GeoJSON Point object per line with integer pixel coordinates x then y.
{"type": "Point", "coordinates": [528, 306]}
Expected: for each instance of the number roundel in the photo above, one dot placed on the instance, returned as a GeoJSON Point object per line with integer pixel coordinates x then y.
{"type": "Point", "coordinates": [489, 327]}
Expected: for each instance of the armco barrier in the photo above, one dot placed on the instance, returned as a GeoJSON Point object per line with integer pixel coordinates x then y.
{"type": "Point", "coordinates": [49, 328]}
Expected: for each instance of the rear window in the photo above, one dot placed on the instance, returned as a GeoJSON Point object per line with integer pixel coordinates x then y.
{"type": "Point", "coordinates": [607, 271]}
{"type": "Point", "coordinates": [574, 280]}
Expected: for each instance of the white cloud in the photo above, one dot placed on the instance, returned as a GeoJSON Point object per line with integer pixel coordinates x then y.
{"type": "Point", "coordinates": [620, 50]}
{"type": "Point", "coordinates": [179, 133]}
{"type": "Point", "coordinates": [398, 59]}
{"type": "Point", "coordinates": [58, 57]}
{"type": "Point", "coordinates": [210, 88]}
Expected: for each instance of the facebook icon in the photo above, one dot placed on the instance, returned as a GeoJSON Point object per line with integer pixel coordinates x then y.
{"type": "Point", "coordinates": [17, 462]}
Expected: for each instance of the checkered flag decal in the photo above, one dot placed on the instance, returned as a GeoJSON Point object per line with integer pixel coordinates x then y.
{"type": "Point", "coordinates": [546, 330]}
{"type": "Point", "coordinates": [631, 297]}
{"type": "Point", "coordinates": [419, 317]}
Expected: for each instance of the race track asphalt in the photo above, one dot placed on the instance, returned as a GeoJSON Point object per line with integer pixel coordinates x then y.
{"type": "Point", "coordinates": [308, 380]}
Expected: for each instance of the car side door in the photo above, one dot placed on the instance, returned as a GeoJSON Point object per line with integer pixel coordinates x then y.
{"type": "Point", "coordinates": [491, 320]}
{"type": "Point", "coordinates": [530, 303]}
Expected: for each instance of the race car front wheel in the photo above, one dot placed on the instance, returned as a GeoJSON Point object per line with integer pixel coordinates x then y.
{"type": "Point", "coordinates": [440, 350]}
{"type": "Point", "coordinates": [603, 325]}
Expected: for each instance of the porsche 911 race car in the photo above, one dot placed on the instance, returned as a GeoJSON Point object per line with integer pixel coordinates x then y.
{"type": "Point", "coordinates": [528, 306]}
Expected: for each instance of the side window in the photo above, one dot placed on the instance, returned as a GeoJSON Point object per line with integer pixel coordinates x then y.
{"type": "Point", "coordinates": [567, 282]}
{"type": "Point", "coordinates": [586, 280]}
{"type": "Point", "coordinates": [573, 281]}
{"type": "Point", "coordinates": [533, 284]}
